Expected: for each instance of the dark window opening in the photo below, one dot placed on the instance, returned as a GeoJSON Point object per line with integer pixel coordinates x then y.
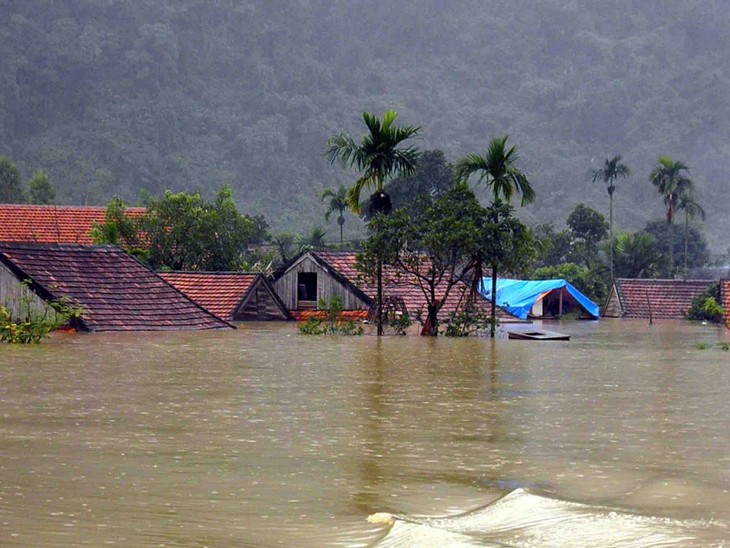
{"type": "Point", "coordinates": [307, 286]}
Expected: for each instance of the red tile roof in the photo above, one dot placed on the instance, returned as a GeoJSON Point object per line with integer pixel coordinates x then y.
{"type": "Point", "coordinates": [660, 299]}
{"type": "Point", "coordinates": [399, 284]}
{"type": "Point", "coordinates": [115, 291]}
{"type": "Point", "coordinates": [52, 224]}
{"type": "Point", "coordinates": [219, 292]}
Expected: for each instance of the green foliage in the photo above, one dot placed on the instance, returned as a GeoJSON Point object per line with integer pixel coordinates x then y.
{"type": "Point", "coordinates": [498, 171]}
{"type": "Point", "coordinates": [379, 156]}
{"type": "Point", "coordinates": [702, 346]}
{"type": "Point", "coordinates": [706, 306]}
{"type": "Point", "coordinates": [336, 201]}
{"type": "Point", "coordinates": [698, 253]}
{"type": "Point", "coordinates": [587, 228]}
{"type": "Point", "coordinates": [724, 346]}
{"type": "Point", "coordinates": [466, 322]}
{"type": "Point", "coordinates": [186, 232]}
{"type": "Point", "coordinates": [432, 178]}
{"type": "Point", "coordinates": [435, 245]}
{"type": "Point", "coordinates": [636, 256]}
{"type": "Point", "coordinates": [40, 189]}
{"type": "Point", "coordinates": [332, 323]}
{"type": "Point", "coordinates": [11, 187]}
{"type": "Point", "coordinates": [120, 230]}
{"type": "Point", "coordinates": [23, 322]}
{"type": "Point", "coordinates": [552, 246]}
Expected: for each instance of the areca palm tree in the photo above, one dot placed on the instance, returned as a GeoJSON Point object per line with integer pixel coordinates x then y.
{"type": "Point", "coordinates": [380, 156]}
{"type": "Point", "coordinates": [337, 202]}
{"type": "Point", "coordinates": [692, 209]}
{"type": "Point", "coordinates": [671, 179]}
{"type": "Point", "coordinates": [498, 171]}
{"type": "Point", "coordinates": [612, 169]}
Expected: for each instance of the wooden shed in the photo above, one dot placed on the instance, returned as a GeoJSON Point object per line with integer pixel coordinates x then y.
{"type": "Point", "coordinates": [233, 296]}
{"type": "Point", "coordinates": [323, 274]}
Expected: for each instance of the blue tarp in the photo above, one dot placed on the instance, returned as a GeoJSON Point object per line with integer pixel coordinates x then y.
{"type": "Point", "coordinates": [518, 296]}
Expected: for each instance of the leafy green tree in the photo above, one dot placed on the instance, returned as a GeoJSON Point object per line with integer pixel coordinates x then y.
{"type": "Point", "coordinates": [185, 232]}
{"type": "Point", "coordinates": [336, 201]}
{"type": "Point", "coordinates": [636, 255]}
{"type": "Point", "coordinates": [692, 209]}
{"type": "Point", "coordinates": [435, 245]}
{"type": "Point", "coordinates": [611, 170]}
{"type": "Point", "coordinates": [499, 172]}
{"type": "Point", "coordinates": [672, 243]}
{"type": "Point", "coordinates": [432, 178]}
{"type": "Point", "coordinates": [587, 228]}
{"type": "Point", "coordinates": [11, 187]}
{"type": "Point", "coordinates": [286, 245]}
{"type": "Point", "coordinates": [552, 246]}
{"type": "Point", "coordinates": [40, 189]}
{"type": "Point", "coordinates": [120, 230]}
{"type": "Point", "coordinates": [507, 246]}
{"type": "Point", "coordinates": [378, 157]}
{"type": "Point", "coordinates": [671, 179]}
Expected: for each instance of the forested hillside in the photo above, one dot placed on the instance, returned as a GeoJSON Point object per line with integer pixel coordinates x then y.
{"type": "Point", "coordinates": [114, 96]}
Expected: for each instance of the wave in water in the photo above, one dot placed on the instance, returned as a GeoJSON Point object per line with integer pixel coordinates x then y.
{"type": "Point", "coordinates": [532, 521]}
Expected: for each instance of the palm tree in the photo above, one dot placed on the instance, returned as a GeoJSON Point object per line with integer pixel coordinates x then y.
{"type": "Point", "coordinates": [612, 169]}
{"type": "Point", "coordinates": [692, 209]}
{"type": "Point", "coordinates": [337, 202]}
{"type": "Point", "coordinates": [636, 255]}
{"type": "Point", "coordinates": [378, 157]}
{"type": "Point", "coordinates": [497, 170]}
{"type": "Point", "coordinates": [671, 180]}
{"type": "Point", "coordinates": [313, 240]}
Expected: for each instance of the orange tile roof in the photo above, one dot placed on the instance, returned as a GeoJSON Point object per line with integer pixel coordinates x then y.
{"type": "Point", "coordinates": [660, 299]}
{"type": "Point", "coordinates": [219, 292]}
{"type": "Point", "coordinates": [115, 291]}
{"type": "Point", "coordinates": [399, 284]}
{"type": "Point", "coordinates": [52, 224]}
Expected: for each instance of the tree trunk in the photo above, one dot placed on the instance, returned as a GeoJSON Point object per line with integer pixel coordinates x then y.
{"type": "Point", "coordinates": [610, 228]}
{"type": "Point", "coordinates": [686, 238]}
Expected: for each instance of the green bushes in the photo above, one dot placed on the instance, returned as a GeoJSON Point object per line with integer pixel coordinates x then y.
{"type": "Point", "coordinates": [332, 323]}
{"type": "Point", "coordinates": [30, 323]}
{"type": "Point", "coordinates": [706, 307]}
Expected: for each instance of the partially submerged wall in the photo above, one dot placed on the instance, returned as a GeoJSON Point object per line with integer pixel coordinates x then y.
{"type": "Point", "coordinates": [17, 298]}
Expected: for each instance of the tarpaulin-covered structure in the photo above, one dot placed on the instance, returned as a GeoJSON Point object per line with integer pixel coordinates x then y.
{"type": "Point", "coordinates": [519, 297]}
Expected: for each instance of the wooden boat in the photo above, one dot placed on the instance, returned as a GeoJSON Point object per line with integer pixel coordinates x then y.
{"type": "Point", "coordinates": [538, 335]}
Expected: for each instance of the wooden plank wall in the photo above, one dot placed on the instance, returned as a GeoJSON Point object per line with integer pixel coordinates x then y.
{"type": "Point", "coordinates": [13, 294]}
{"type": "Point", "coordinates": [260, 307]}
{"type": "Point", "coordinates": [327, 287]}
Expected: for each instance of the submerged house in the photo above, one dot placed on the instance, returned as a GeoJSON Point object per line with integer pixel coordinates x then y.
{"type": "Point", "coordinates": [115, 291]}
{"type": "Point", "coordinates": [53, 224]}
{"type": "Point", "coordinates": [233, 296]}
{"type": "Point", "coordinates": [317, 275]}
{"type": "Point", "coordinates": [653, 299]}
{"type": "Point", "coordinates": [540, 298]}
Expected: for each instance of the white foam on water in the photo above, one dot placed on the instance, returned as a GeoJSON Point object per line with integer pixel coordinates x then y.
{"type": "Point", "coordinates": [532, 521]}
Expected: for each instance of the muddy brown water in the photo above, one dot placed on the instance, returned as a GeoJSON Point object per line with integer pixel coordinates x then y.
{"type": "Point", "coordinates": [265, 437]}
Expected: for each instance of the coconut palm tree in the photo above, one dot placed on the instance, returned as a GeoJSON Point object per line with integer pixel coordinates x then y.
{"type": "Point", "coordinates": [612, 169]}
{"type": "Point", "coordinates": [337, 202]}
{"type": "Point", "coordinates": [692, 209]}
{"type": "Point", "coordinates": [379, 157]}
{"type": "Point", "coordinates": [671, 179]}
{"type": "Point", "coordinates": [498, 171]}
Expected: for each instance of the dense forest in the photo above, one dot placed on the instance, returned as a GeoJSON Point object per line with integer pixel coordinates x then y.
{"type": "Point", "coordinates": [111, 97]}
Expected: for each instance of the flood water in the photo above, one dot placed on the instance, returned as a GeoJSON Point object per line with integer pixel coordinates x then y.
{"type": "Point", "coordinates": [265, 437]}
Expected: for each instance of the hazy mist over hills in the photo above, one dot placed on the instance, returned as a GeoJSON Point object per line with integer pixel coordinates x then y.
{"type": "Point", "coordinates": [114, 96]}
